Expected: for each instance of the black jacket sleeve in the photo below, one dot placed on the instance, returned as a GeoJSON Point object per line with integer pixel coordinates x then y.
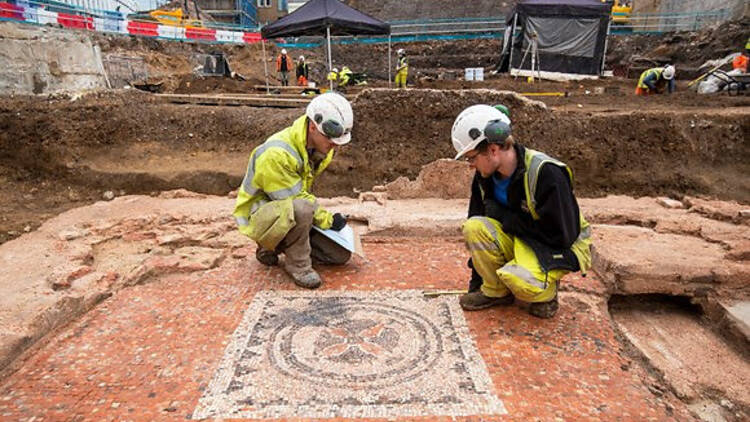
{"type": "Point", "coordinates": [558, 225]}
{"type": "Point", "coordinates": [476, 206]}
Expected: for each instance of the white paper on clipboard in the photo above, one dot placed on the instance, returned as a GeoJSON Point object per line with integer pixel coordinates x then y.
{"type": "Point", "coordinates": [347, 238]}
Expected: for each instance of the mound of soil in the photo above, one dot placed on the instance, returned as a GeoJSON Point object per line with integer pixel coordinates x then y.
{"type": "Point", "coordinates": [60, 152]}
{"type": "Point", "coordinates": [637, 153]}
{"type": "Point", "coordinates": [689, 49]}
{"type": "Point", "coordinates": [192, 84]}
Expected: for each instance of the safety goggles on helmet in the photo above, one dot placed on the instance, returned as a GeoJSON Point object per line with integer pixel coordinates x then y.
{"type": "Point", "coordinates": [333, 129]}
{"type": "Point", "coordinates": [496, 131]}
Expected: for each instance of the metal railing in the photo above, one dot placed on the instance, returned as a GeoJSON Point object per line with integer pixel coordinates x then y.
{"type": "Point", "coordinates": [671, 22]}
{"type": "Point", "coordinates": [448, 26]}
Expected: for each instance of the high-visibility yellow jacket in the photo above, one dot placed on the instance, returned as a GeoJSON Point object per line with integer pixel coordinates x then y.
{"type": "Point", "coordinates": [280, 169]}
{"type": "Point", "coordinates": [344, 75]}
{"type": "Point", "coordinates": [557, 210]}
{"type": "Point", "coordinates": [403, 64]}
{"type": "Point", "coordinates": [534, 160]}
{"type": "Point", "coordinates": [655, 71]}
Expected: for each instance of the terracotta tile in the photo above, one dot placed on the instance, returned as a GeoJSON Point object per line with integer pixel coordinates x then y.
{"type": "Point", "coordinates": [150, 351]}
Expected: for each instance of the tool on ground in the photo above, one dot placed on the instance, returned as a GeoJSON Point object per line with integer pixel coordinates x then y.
{"type": "Point", "coordinates": [435, 293]}
{"type": "Point", "coordinates": [713, 69]}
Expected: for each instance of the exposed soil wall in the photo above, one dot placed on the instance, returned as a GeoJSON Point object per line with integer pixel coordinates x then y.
{"type": "Point", "coordinates": [134, 143]}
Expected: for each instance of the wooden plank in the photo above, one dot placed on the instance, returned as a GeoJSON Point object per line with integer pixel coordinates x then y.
{"type": "Point", "coordinates": [261, 95]}
{"type": "Point", "coordinates": [242, 100]}
{"type": "Point", "coordinates": [281, 88]}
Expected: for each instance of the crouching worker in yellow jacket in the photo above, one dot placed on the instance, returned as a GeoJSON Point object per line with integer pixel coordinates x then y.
{"type": "Point", "coordinates": [274, 205]}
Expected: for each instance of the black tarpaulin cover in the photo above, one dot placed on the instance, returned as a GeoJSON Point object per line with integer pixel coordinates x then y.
{"type": "Point", "coordinates": [313, 18]}
{"type": "Point", "coordinates": [571, 35]}
{"type": "Point", "coordinates": [592, 8]}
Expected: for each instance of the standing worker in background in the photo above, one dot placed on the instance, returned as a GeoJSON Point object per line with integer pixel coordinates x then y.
{"type": "Point", "coordinates": [525, 230]}
{"type": "Point", "coordinates": [283, 67]}
{"type": "Point", "coordinates": [402, 69]}
{"type": "Point", "coordinates": [303, 71]}
{"type": "Point", "coordinates": [274, 205]}
{"type": "Point", "coordinates": [653, 81]}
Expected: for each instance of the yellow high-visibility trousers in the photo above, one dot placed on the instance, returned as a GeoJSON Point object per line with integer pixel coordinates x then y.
{"type": "Point", "coordinates": [401, 78]}
{"type": "Point", "coordinates": [507, 264]}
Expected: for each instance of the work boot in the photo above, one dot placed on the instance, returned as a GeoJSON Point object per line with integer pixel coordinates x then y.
{"type": "Point", "coordinates": [266, 257]}
{"type": "Point", "coordinates": [308, 279]}
{"type": "Point", "coordinates": [475, 301]}
{"type": "Point", "coordinates": [544, 309]}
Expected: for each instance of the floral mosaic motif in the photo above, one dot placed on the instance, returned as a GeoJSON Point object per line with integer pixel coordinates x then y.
{"type": "Point", "coordinates": [357, 341]}
{"type": "Point", "coordinates": [350, 354]}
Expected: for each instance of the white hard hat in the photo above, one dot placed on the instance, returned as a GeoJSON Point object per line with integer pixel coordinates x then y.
{"type": "Point", "coordinates": [668, 72]}
{"type": "Point", "coordinates": [333, 116]}
{"type": "Point", "coordinates": [335, 70]}
{"type": "Point", "coordinates": [302, 58]}
{"type": "Point", "coordinates": [400, 51]}
{"type": "Point", "coordinates": [283, 51]}
{"type": "Point", "coordinates": [470, 126]}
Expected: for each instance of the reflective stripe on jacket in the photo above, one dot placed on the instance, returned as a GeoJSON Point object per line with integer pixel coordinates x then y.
{"type": "Point", "coordinates": [279, 169]}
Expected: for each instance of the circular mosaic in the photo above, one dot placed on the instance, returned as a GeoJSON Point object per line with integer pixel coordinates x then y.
{"type": "Point", "coordinates": [355, 344]}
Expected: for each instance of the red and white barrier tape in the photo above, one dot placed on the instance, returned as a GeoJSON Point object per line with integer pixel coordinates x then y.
{"type": "Point", "coordinates": [141, 28]}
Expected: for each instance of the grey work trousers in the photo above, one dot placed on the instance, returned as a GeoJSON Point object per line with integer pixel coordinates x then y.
{"type": "Point", "coordinates": [302, 245]}
{"type": "Point", "coordinates": [284, 78]}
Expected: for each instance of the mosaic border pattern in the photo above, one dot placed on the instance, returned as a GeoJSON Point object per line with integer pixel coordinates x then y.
{"type": "Point", "coordinates": [217, 402]}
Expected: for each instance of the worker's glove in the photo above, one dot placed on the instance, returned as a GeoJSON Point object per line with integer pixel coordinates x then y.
{"type": "Point", "coordinates": [339, 221]}
{"type": "Point", "coordinates": [496, 210]}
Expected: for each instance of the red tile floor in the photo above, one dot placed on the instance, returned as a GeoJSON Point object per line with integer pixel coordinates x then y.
{"type": "Point", "coordinates": [149, 351]}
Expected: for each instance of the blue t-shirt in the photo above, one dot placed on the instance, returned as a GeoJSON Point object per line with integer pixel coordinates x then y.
{"type": "Point", "coordinates": [501, 189]}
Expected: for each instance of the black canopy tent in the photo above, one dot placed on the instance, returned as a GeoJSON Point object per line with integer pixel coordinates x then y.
{"type": "Point", "coordinates": [571, 36]}
{"type": "Point", "coordinates": [326, 18]}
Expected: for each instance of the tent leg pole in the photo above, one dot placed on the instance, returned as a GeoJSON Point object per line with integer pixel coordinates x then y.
{"type": "Point", "coordinates": [389, 60]}
{"type": "Point", "coordinates": [606, 39]}
{"type": "Point", "coordinates": [512, 36]}
{"type": "Point", "coordinates": [265, 65]}
{"type": "Point", "coordinates": [330, 63]}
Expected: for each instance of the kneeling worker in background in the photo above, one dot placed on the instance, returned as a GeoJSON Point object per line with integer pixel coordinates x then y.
{"type": "Point", "coordinates": [274, 205]}
{"type": "Point", "coordinates": [525, 230]}
{"type": "Point", "coordinates": [654, 81]}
